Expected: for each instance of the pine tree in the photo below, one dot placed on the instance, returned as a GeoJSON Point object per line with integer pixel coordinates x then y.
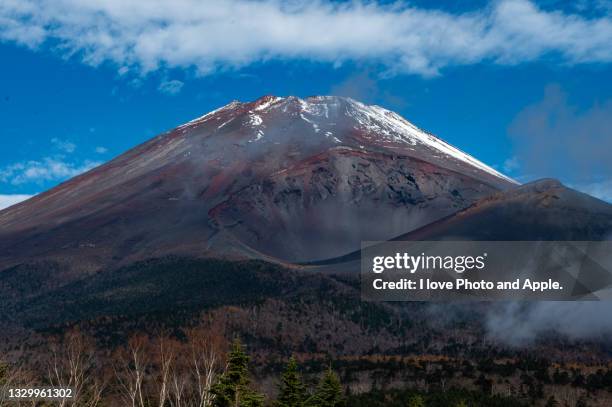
{"type": "Point", "coordinates": [328, 393]}
{"type": "Point", "coordinates": [232, 389]}
{"type": "Point", "coordinates": [292, 392]}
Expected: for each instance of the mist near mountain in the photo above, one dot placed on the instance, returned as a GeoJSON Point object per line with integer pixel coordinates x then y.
{"type": "Point", "coordinates": [556, 136]}
{"type": "Point", "coordinates": [520, 324]}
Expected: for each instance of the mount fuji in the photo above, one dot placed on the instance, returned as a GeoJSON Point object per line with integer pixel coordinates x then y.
{"type": "Point", "coordinates": [266, 200]}
{"type": "Point", "coordinates": [288, 179]}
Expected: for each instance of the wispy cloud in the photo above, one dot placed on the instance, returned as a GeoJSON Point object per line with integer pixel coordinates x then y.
{"type": "Point", "coordinates": [212, 35]}
{"type": "Point", "coordinates": [601, 189]}
{"type": "Point", "coordinates": [171, 87]}
{"type": "Point", "coordinates": [555, 137]}
{"type": "Point", "coordinates": [521, 323]}
{"type": "Point", "coordinates": [101, 150]}
{"type": "Point", "coordinates": [511, 165]}
{"type": "Point", "coordinates": [63, 145]}
{"type": "Point", "coordinates": [10, 200]}
{"type": "Point", "coordinates": [365, 86]}
{"type": "Point", "coordinates": [47, 169]}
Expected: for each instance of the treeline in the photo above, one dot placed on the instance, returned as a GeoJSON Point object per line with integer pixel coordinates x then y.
{"type": "Point", "coordinates": [196, 370]}
{"type": "Point", "coordinates": [200, 367]}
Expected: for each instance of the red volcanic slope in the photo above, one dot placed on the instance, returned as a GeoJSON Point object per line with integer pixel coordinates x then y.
{"type": "Point", "coordinates": [540, 210]}
{"type": "Point", "coordinates": [278, 178]}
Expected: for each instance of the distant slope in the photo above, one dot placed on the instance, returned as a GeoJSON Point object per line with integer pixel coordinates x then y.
{"type": "Point", "coordinates": [541, 210]}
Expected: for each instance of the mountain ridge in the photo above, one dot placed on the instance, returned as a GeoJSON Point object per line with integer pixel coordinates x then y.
{"type": "Point", "coordinates": [523, 213]}
{"type": "Point", "coordinates": [284, 178]}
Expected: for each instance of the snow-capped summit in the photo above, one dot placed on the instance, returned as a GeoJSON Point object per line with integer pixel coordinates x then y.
{"type": "Point", "coordinates": [342, 121]}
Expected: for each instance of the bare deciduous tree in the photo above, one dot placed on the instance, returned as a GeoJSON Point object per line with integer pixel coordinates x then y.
{"type": "Point", "coordinates": [72, 364]}
{"type": "Point", "coordinates": [179, 388]}
{"type": "Point", "coordinates": [11, 377]}
{"type": "Point", "coordinates": [166, 354]}
{"type": "Point", "coordinates": [206, 362]}
{"type": "Point", "coordinates": [131, 371]}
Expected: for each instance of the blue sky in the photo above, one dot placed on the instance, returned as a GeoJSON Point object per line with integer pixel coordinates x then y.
{"type": "Point", "coordinates": [525, 87]}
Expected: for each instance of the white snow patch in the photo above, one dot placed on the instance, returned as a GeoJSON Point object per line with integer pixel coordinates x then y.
{"type": "Point", "coordinates": [258, 137]}
{"type": "Point", "coordinates": [225, 123]}
{"type": "Point", "coordinates": [315, 126]}
{"type": "Point", "coordinates": [255, 120]}
{"type": "Point", "coordinates": [268, 103]}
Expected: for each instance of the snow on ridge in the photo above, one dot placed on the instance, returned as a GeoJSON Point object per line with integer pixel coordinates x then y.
{"type": "Point", "coordinates": [399, 129]}
{"type": "Point", "coordinates": [225, 123]}
{"type": "Point", "coordinates": [387, 123]}
{"type": "Point", "coordinates": [375, 119]}
{"type": "Point", "coordinates": [208, 115]}
{"type": "Point", "coordinates": [255, 120]}
{"type": "Point", "coordinates": [267, 103]}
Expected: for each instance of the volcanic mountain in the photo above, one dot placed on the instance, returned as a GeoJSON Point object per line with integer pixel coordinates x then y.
{"type": "Point", "coordinates": [543, 210]}
{"type": "Point", "coordinates": [282, 178]}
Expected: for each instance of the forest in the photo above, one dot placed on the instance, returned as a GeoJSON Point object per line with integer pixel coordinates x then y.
{"type": "Point", "coordinates": [202, 368]}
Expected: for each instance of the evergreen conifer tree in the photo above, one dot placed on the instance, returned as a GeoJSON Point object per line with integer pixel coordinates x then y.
{"type": "Point", "coordinates": [233, 387]}
{"type": "Point", "coordinates": [328, 392]}
{"type": "Point", "coordinates": [292, 392]}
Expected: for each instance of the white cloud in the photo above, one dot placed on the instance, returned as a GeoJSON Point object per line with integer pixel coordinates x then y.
{"type": "Point", "coordinates": [172, 87]}
{"type": "Point", "coordinates": [9, 200]}
{"type": "Point", "coordinates": [511, 164]}
{"type": "Point", "coordinates": [63, 145]}
{"type": "Point", "coordinates": [556, 137]}
{"type": "Point", "coordinates": [601, 190]}
{"type": "Point", "coordinates": [101, 150]}
{"type": "Point", "coordinates": [215, 34]}
{"type": "Point", "coordinates": [47, 169]}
